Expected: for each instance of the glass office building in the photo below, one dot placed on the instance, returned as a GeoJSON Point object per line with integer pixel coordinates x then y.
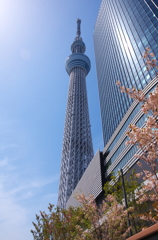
{"type": "Point", "coordinates": [122, 31]}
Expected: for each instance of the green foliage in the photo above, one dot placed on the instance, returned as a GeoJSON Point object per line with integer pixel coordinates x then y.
{"type": "Point", "coordinates": [83, 223]}
{"type": "Point", "coordinates": [60, 224]}
{"type": "Point", "coordinates": [133, 191]}
{"type": "Point", "coordinates": [114, 187]}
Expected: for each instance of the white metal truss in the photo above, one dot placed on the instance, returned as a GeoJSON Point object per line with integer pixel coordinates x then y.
{"type": "Point", "coordinates": [77, 150]}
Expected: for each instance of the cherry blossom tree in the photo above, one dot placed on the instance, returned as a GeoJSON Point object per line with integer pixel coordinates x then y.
{"type": "Point", "coordinates": [109, 221]}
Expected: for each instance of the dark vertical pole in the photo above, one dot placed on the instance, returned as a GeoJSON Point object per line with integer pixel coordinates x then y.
{"type": "Point", "coordinates": [78, 27]}
{"type": "Point", "coordinates": [125, 198]}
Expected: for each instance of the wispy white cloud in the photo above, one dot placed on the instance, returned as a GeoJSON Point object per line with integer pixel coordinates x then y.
{"type": "Point", "coordinates": [5, 162]}
{"type": "Point", "coordinates": [30, 184]}
{"type": "Point", "coordinates": [11, 211]}
{"type": "Point", "coordinates": [12, 145]}
{"type": "Point", "coordinates": [42, 182]}
{"type": "Point", "coordinates": [12, 215]}
{"type": "Point", "coordinates": [50, 197]}
{"type": "Point", "coordinates": [26, 195]}
{"type": "Point", "coordinates": [16, 195]}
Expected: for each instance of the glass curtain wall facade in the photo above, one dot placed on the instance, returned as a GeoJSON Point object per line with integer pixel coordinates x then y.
{"type": "Point", "coordinates": [122, 31]}
{"type": "Point", "coordinates": [153, 6]}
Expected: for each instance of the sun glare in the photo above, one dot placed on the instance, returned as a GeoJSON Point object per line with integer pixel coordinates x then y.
{"type": "Point", "coordinates": [7, 14]}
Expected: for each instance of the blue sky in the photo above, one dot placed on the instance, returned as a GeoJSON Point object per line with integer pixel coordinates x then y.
{"type": "Point", "coordinates": [35, 39]}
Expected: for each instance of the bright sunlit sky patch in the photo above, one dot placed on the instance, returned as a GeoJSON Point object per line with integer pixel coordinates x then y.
{"type": "Point", "coordinates": [35, 40]}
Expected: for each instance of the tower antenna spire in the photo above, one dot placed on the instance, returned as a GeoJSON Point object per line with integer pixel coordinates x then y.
{"type": "Point", "coordinates": [78, 27]}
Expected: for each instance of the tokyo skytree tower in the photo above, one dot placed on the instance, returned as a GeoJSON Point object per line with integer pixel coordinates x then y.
{"type": "Point", "coordinates": [77, 150]}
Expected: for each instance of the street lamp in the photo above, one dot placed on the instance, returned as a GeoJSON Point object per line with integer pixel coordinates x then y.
{"type": "Point", "coordinates": [125, 198]}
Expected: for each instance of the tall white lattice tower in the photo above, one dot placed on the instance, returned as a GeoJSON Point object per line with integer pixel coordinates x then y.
{"type": "Point", "coordinates": [77, 149]}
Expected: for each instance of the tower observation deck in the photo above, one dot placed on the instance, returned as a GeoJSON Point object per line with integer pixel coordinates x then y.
{"type": "Point", "coordinates": [77, 150]}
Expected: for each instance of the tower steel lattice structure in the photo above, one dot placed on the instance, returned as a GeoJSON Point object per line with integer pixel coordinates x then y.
{"type": "Point", "coordinates": [77, 150]}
